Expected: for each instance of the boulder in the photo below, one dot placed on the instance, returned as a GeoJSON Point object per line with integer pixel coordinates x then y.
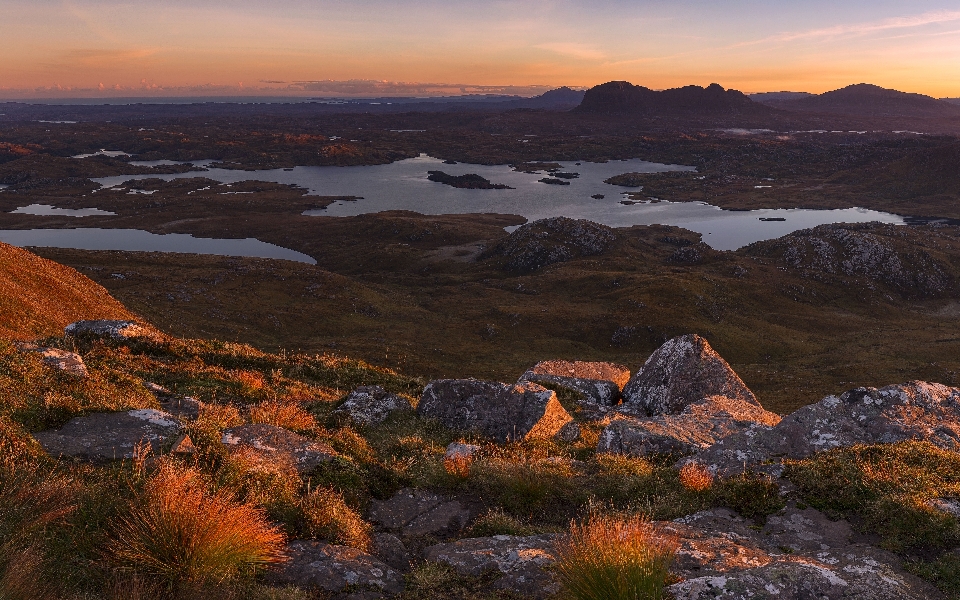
{"type": "Point", "coordinates": [317, 565]}
{"type": "Point", "coordinates": [699, 426]}
{"type": "Point", "coordinates": [798, 554]}
{"type": "Point", "coordinates": [521, 560]}
{"type": "Point", "coordinates": [68, 362]}
{"type": "Point", "coordinates": [460, 450]}
{"type": "Point", "coordinates": [388, 548]}
{"type": "Point", "coordinates": [111, 436]}
{"type": "Point", "coordinates": [117, 330]}
{"type": "Point", "coordinates": [419, 512]}
{"type": "Point", "coordinates": [599, 383]}
{"type": "Point", "coordinates": [548, 241]}
{"type": "Point", "coordinates": [370, 405]}
{"type": "Point", "coordinates": [911, 411]}
{"type": "Point", "coordinates": [682, 371]}
{"type": "Point", "coordinates": [275, 445]}
{"type": "Point", "coordinates": [497, 410]}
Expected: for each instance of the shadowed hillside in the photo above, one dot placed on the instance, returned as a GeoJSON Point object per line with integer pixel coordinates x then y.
{"type": "Point", "coordinates": [866, 100]}
{"type": "Point", "coordinates": [621, 97]}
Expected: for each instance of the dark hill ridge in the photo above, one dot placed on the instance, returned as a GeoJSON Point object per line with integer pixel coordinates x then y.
{"type": "Point", "coordinates": [622, 97]}
{"type": "Point", "coordinates": [866, 100]}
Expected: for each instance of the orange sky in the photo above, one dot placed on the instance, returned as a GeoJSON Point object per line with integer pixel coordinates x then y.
{"type": "Point", "coordinates": [238, 47]}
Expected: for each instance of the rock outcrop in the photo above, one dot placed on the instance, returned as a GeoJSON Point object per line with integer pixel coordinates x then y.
{"type": "Point", "coordinates": [547, 241]}
{"type": "Point", "coordinates": [111, 436]}
{"type": "Point", "coordinates": [68, 362]}
{"type": "Point", "coordinates": [317, 565]}
{"type": "Point", "coordinates": [413, 512]}
{"type": "Point", "coordinates": [621, 97]}
{"type": "Point", "coordinates": [912, 411]}
{"type": "Point", "coordinates": [797, 554]}
{"type": "Point", "coordinates": [699, 426]}
{"type": "Point", "coordinates": [117, 330]}
{"type": "Point", "coordinates": [682, 371]}
{"type": "Point", "coordinates": [276, 447]}
{"type": "Point", "coordinates": [371, 405]}
{"type": "Point", "coordinates": [600, 383]}
{"type": "Point", "coordinates": [521, 560]}
{"type": "Point", "coordinates": [497, 410]}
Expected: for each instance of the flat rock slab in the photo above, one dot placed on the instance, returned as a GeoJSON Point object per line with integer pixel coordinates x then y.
{"type": "Point", "coordinates": [371, 405]}
{"type": "Point", "coordinates": [111, 436]}
{"type": "Point", "coordinates": [68, 362]}
{"type": "Point", "coordinates": [418, 512]}
{"type": "Point", "coordinates": [600, 383]}
{"type": "Point", "coordinates": [912, 411]}
{"type": "Point", "coordinates": [117, 330]}
{"type": "Point", "coordinates": [699, 426]}
{"type": "Point", "coordinates": [682, 371]}
{"type": "Point", "coordinates": [497, 410]}
{"type": "Point", "coordinates": [799, 554]}
{"type": "Point", "coordinates": [317, 565]}
{"type": "Point", "coordinates": [278, 446]}
{"type": "Point", "coordinates": [521, 560]}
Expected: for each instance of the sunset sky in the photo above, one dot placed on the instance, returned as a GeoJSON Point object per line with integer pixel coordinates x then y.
{"type": "Point", "coordinates": [51, 48]}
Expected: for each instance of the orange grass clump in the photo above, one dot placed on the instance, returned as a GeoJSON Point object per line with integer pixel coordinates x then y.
{"type": "Point", "coordinates": [608, 557]}
{"type": "Point", "coordinates": [288, 415]}
{"type": "Point", "coordinates": [179, 532]}
{"type": "Point", "coordinates": [458, 465]}
{"type": "Point", "coordinates": [695, 477]}
{"type": "Point", "coordinates": [330, 518]}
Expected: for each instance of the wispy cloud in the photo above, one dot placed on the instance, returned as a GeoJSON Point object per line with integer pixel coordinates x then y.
{"type": "Point", "coordinates": [574, 50]}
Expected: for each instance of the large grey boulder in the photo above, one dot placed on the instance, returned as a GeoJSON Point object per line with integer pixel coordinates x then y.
{"type": "Point", "coordinates": [317, 565]}
{"type": "Point", "coordinates": [117, 330]}
{"type": "Point", "coordinates": [522, 561]}
{"type": "Point", "coordinates": [911, 411]}
{"type": "Point", "coordinates": [68, 362]}
{"type": "Point", "coordinates": [111, 436]}
{"type": "Point", "coordinates": [600, 383]}
{"type": "Point", "coordinates": [699, 426]}
{"type": "Point", "coordinates": [545, 242]}
{"type": "Point", "coordinates": [797, 555]}
{"type": "Point", "coordinates": [497, 410]}
{"type": "Point", "coordinates": [412, 512]}
{"type": "Point", "coordinates": [682, 371]}
{"type": "Point", "coordinates": [275, 446]}
{"type": "Point", "coordinates": [371, 405]}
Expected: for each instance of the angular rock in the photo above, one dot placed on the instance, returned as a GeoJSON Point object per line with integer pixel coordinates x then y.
{"type": "Point", "coordinates": [117, 330]}
{"type": "Point", "coordinates": [699, 426]}
{"type": "Point", "coordinates": [799, 554]}
{"type": "Point", "coordinates": [111, 436]}
{"type": "Point", "coordinates": [68, 362]}
{"type": "Point", "coordinates": [497, 410]}
{"type": "Point", "coordinates": [460, 450]}
{"type": "Point", "coordinates": [600, 383]}
{"type": "Point", "coordinates": [388, 548]}
{"type": "Point", "coordinates": [275, 445]}
{"type": "Point", "coordinates": [418, 512]}
{"type": "Point", "coordinates": [521, 560]}
{"type": "Point", "coordinates": [332, 568]}
{"type": "Point", "coordinates": [370, 405]}
{"type": "Point", "coordinates": [911, 411]}
{"type": "Point", "coordinates": [682, 371]}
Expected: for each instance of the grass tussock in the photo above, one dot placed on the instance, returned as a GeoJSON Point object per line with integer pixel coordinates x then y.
{"type": "Point", "coordinates": [696, 477]}
{"type": "Point", "coordinates": [610, 557]}
{"type": "Point", "coordinates": [329, 517]}
{"type": "Point", "coordinates": [179, 532]}
{"type": "Point", "coordinates": [288, 415]}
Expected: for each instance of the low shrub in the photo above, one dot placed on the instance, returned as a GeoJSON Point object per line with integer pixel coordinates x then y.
{"type": "Point", "coordinates": [179, 532]}
{"type": "Point", "coordinates": [753, 495]}
{"type": "Point", "coordinates": [497, 522]}
{"type": "Point", "coordinates": [610, 557]}
{"type": "Point", "coordinates": [329, 517]}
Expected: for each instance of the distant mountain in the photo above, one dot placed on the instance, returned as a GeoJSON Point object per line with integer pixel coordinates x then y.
{"type": "Point", "coordinates": [562, 97]}
{"type": "Point", "coordinates": [865, 100]}
{"type": "Point", "coordinates": [951, 100]}
{"type": "Point", "coordinates": [765, 97]}
{"type": "Point", "coordinates": [621, 97]}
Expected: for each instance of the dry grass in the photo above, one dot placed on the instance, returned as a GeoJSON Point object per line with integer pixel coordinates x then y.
{"type": "Point", "coordinates": [458, 465]}
{"type": "Point", "coordinates": [181, 533]}
{"type": "Point", "coordinates": [329, 517]}
{"type": "Point", "coordinates": [22, 577]}
{"type": "Point", "coordinates": [289, 415]}
{"type": "Point", "coordinates": [696, 477]}
{"type": "Point", "coordinates": [609, 557]}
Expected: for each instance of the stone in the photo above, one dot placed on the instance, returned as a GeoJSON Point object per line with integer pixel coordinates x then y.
{"type": "Point", "coordinates": [388, 548]}
{"type": "Point", "coordinates": [277, 445]}
{"type": "Point", "coordinates": [798, 554]}
{"type": "Point", "coordinates": [183, 407]}
{"type": "Point", "coordinates": [460, 450]}
{"type": "Point", "coordinates": [371, 405]}
{"type": "Point", "coordinates": [419, 512]}
{"type": "Point", "coordinates": [521, 560]}
{"type": "Point", "coordinates": [68, 362]}
{"type": "Point", "coordinates": [699, 426]}
{"type": "Point", "coordinates": [548, 241]}
{"type": "Point", "coordinates": [911, 411]}
{"type": "Point", "coordinates": [682, 371]}
{"type": "Point", "coordinates": [600, 383]}
{"type": "Point", "coordinates": [117, 330]}
{"type": "Point", "coordinates": [496, 410]}
{"type": "Point", "coordinates": [111, 436]}
{"type": "Point", "coordinates": [317, 565]}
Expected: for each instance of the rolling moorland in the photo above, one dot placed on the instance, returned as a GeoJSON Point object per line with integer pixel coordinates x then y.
{"type": "Point", "coordinates": [400, 299]}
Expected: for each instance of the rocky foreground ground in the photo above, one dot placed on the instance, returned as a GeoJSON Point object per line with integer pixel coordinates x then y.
{"type": "Point", "coordinates": [685, 402]}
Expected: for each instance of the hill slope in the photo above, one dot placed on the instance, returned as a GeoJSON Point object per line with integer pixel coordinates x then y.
{"type": "Point", "coordinates": [39, 297]}
{"type": "Point", "coordinates": [866, 100]}
{"type": "Point", "coordinates": [622, 97]}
